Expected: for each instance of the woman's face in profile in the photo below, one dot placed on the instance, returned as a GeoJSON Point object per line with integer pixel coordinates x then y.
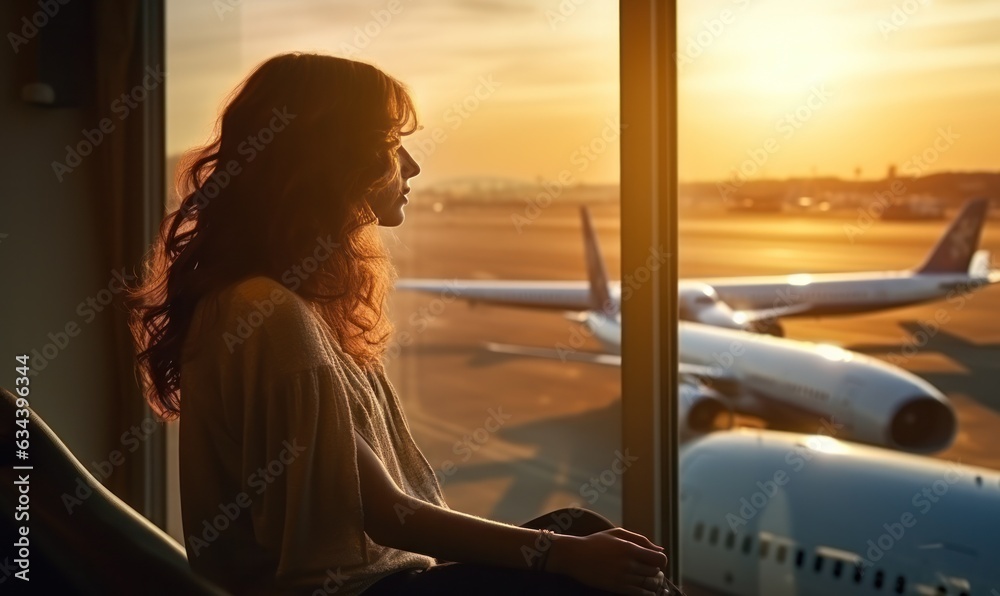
{"type": "Point", "coordinates": [387, 204]}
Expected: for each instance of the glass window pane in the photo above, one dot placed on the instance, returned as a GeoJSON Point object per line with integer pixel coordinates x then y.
{"type": "Point", "coordinates": [838, 203]}
{"type": "Point", "coordinates": [518, 104]}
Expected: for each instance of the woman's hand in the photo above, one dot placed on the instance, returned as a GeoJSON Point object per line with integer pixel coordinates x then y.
{"type": "Point", "coordinates": [615, 560]}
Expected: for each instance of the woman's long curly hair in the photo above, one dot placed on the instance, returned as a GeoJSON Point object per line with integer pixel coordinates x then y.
{"type": "Point", "coordinates": [300, 145]}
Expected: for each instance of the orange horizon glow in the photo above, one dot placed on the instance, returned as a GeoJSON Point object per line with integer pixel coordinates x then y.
{"type": "Point", "coordinates": [518, 90]}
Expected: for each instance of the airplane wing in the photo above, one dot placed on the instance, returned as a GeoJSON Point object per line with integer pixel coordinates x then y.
{"type": "Point", "coordinates": [752, 316]}
{"type": "Point", "coordinates": [721, 379]}
{"type": "Point", "coordinates": [707, 373]}
{"type": "Point", "coordinates": [701, 408]}
{"type": "Point", "coordinates": [553, 354]}
{"type": "Point", "coordinates": [555, 295]}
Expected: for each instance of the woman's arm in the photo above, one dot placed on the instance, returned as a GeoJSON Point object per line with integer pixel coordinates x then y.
{"type": "Point", "coordinates": [615, 560]}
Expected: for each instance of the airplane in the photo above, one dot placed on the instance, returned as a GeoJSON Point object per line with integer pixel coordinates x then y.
{"type": "Point", "coordinates": [774, 378]}
{"type": "Point", "coordinates": [951, 270]}
{"type": "Point", "coordinates": [782, 514]}
{"type": "Point", "coordinates": [792, 382]}
{"type": "Point", "coordinates": [871, 401]}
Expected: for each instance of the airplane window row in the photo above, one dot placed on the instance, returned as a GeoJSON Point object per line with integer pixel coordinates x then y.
{"type": "Point", "coordinates": [800, 390]}
{"type": "Point", "coordinates": [812, 393]}
{"type": "Point", "coordinates": [838, 567]}
{"type": "Point", "coordinates": [805, 296]}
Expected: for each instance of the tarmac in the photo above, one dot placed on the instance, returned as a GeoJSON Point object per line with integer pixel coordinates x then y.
{"type": "Point", "coordinates": [513, 437]}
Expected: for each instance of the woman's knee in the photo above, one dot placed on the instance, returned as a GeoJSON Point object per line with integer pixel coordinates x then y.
{"type": "Point", "coordinates": [573, 521]}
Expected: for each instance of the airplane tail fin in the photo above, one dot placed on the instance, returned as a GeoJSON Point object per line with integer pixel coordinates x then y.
{"type": "Point", "coordinates": [953, 251]}
{"type": "Point", "coordinates": [600, 289]}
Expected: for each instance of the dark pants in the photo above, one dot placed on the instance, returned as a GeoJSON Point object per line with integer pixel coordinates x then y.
{"type": "Point", "coordinates": [467, 579]}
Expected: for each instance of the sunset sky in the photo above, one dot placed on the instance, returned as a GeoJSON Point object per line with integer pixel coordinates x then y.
{"type": "Point", "coordinates": [830, 87]}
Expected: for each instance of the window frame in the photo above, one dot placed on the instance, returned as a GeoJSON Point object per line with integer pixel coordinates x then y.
{"type": "Point", "coordinates": [151, 486]}
{"type": "Point", "coordinates": [650, 491]}
{"type": "Point", "coordinates": [648, 96]}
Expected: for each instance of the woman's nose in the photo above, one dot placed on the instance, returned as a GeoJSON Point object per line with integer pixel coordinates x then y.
{"type": "Point", "coordinates": [408, 166]}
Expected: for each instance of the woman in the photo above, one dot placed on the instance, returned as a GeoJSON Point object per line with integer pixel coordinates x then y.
{"type": "Point", "coordinates": [264, 306]}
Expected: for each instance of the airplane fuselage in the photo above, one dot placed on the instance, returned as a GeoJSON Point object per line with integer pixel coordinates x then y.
{"type": "Point", "coordinates": [952, 270]}
{"type": "Point", "coordinates": [859, 397]}
{"type": "Point", "coordinates": [823, 294]}
{"type": "Point", "coordinates": [783, 514]}
{"type": "Point", "coordinates": [842, 293]}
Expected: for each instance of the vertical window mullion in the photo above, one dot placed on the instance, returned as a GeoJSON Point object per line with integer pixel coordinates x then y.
{"type": "Point", "coordinates": [649, 248]}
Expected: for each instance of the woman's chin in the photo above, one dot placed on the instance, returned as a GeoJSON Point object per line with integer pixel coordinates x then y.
{"type": "Point", "coordinates": [393, 218]}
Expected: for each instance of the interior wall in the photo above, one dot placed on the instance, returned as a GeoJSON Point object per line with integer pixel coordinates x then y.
{"type": "Point", "coordinates": [52, 268]}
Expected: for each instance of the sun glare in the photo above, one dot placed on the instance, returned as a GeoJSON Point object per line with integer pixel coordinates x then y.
{"type": "Point", "coordinates": [834, 353]}
{"type": "Point", "coordinates": [777, 63]}
{"type": "Point", "coordinates": [800, 279]}
{"type": "Point", "coordinates": [825, 444]}
{"type": "Point", "coordinates": [773, 51]}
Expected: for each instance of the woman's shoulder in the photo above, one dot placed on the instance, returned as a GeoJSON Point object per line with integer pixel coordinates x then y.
{"type": "Point", "coordinates": [259, 288]}
{"type": "Point", "coordinates": [261, 308]}
{"type": "Point", "coordinates": [264, 296]}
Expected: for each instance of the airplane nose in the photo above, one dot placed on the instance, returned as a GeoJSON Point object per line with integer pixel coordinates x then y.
{"type": "Point", "coordinates": [718, 317]}
{"type": "Point", "coordinates": [923, 424]}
